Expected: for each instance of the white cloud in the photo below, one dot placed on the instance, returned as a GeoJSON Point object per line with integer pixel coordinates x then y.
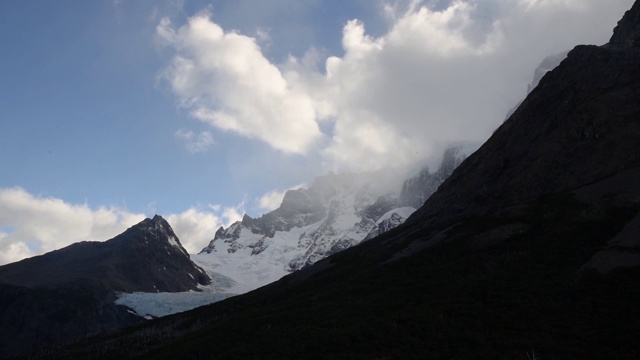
{"type": "Point", "coordinates": [442, 77]}
{"type": "Point", "coordinates": [270, 200]}
{"type": "Point", "coordinates": [196, 227]}
{"type": "Point", "coordinates": [227, 82]}
{"type": "Point", "coordinates": [438, 75]}
{"type": "Point", "coordinates": [262, 35]}
{"type": "Point", "coordinates": [195, 143]}
{"type": "Point", "coordinates": [273, 199]}
{"type": "Point", "coordinates": [233, 214]}
{"type": "Point", "coordinates": [32, 225]}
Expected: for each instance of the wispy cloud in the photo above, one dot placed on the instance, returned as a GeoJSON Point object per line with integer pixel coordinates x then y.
{"type": "Point", "coordinates": [195, 143]}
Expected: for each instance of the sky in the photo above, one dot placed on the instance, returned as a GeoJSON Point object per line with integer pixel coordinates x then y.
{"type": "Point", "coordinates": [200, 111]}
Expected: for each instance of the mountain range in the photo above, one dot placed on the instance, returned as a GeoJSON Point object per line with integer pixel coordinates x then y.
{"type": "Point", "coordinates": [529, 249]}
{"type": "Point", "coordinates": [92, 287]}
{"type": "Point", "coordinates": [336, 212]}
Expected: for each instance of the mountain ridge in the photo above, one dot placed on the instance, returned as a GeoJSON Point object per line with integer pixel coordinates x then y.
{"type": "Point", "coordinates": [70, 293]}
{"type": "Point", "coordinates": [335, 213]}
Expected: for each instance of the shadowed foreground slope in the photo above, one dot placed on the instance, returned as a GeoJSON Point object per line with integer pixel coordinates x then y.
{"type": "Point", "coordinates": [501, 262]}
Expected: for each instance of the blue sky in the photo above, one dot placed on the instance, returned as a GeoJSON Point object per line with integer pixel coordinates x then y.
{"type": "Point", "coordinates": [119, 109]}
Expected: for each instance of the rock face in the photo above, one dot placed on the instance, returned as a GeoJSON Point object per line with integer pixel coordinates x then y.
{"type": "Point", "coordinates": [334, 214]}
{"type": "Point", "coordinates": [627, 33]}
{"type": "Point", "coordinates": [548, 64]}
{"type": "Point", "coordinates": [70, 293]}
{"type": "Point", "coordinates": [416, 190]}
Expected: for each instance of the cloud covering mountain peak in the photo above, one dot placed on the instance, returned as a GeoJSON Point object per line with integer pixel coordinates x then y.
{"type": "Point", "coordinates": [437, 75]}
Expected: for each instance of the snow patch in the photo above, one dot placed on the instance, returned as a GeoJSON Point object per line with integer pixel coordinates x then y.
{"type": "Point", "coordinates": [173, 242]}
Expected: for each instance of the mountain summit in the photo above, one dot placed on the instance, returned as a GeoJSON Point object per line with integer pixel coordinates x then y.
{"type": "Point", "coordinates": [69, 293]}
{"type": "Point", "coordinates": [146, 257]}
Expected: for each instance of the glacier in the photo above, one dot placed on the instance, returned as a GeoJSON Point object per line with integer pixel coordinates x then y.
{"type": "Point", "coordinates": [336, 212]}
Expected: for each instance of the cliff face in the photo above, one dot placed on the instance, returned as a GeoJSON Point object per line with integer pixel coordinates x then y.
{"type": "Point", "coordinates": [627, 33]}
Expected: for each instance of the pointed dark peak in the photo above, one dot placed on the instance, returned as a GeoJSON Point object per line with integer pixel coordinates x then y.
{"type": "Point", "coordinates": [71, 291]}
{"type": "Point", "coordinates": [157, 222]}
{"type": "Point", "coordinates": [158, 227]}
{"type": "Point", "coordinates": [627, 33]}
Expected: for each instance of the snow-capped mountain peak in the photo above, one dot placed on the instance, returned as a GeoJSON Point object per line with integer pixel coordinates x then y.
{"type": "Point", "coordinates": [336, 212]}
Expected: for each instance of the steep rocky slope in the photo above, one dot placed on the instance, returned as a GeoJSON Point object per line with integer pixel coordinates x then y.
{"type": "Point", "coordinates": [561, 137]}
{"type": "Point", "coordinates": [549, 63]}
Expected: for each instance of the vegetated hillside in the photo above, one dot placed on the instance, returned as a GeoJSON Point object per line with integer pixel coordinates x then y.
{"type": "Point", "coordinates": [69, 293]}
{"type": "Point", "coordinates": [529, 249]}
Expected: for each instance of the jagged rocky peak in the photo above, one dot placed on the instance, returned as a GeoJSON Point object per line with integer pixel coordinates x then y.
{"type": "Point", "coordinates": [416, 190]}
{"type": "Point", "coordinates": [160, 229]}
{"type": "Point", "coordinates": [156, 232]}
{"type": "Point", "coordinates": [156, 223]}
{"type": "Point", "coordinates": [549, 63]}
{"type": "Point", "coordinates": [152, 248]}
{"type": "Point", "coordinates": [627, 33]}
{"type": "Point", "coordinates": [300, 201]}
{"type": "Point", "coordinates": [336, 212]}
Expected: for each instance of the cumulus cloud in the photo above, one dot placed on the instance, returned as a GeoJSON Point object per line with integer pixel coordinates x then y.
{"type": "Point", "coordinates": [444, 72]}
{"type": "Point", "coordinates": [226, 81]}
{"type": "Point", "coordinates": [32, 225]}
{"type": "Point", "coordinates": [233, 214]}
{"type": "Point", "coordinates": [438, 77]}
{"type": "Point", "coordinates": [196, 227]}
{"type": "Point", "coordinates": [195, 143]}
{"type": "Point", "coordinates": [271, 200]}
